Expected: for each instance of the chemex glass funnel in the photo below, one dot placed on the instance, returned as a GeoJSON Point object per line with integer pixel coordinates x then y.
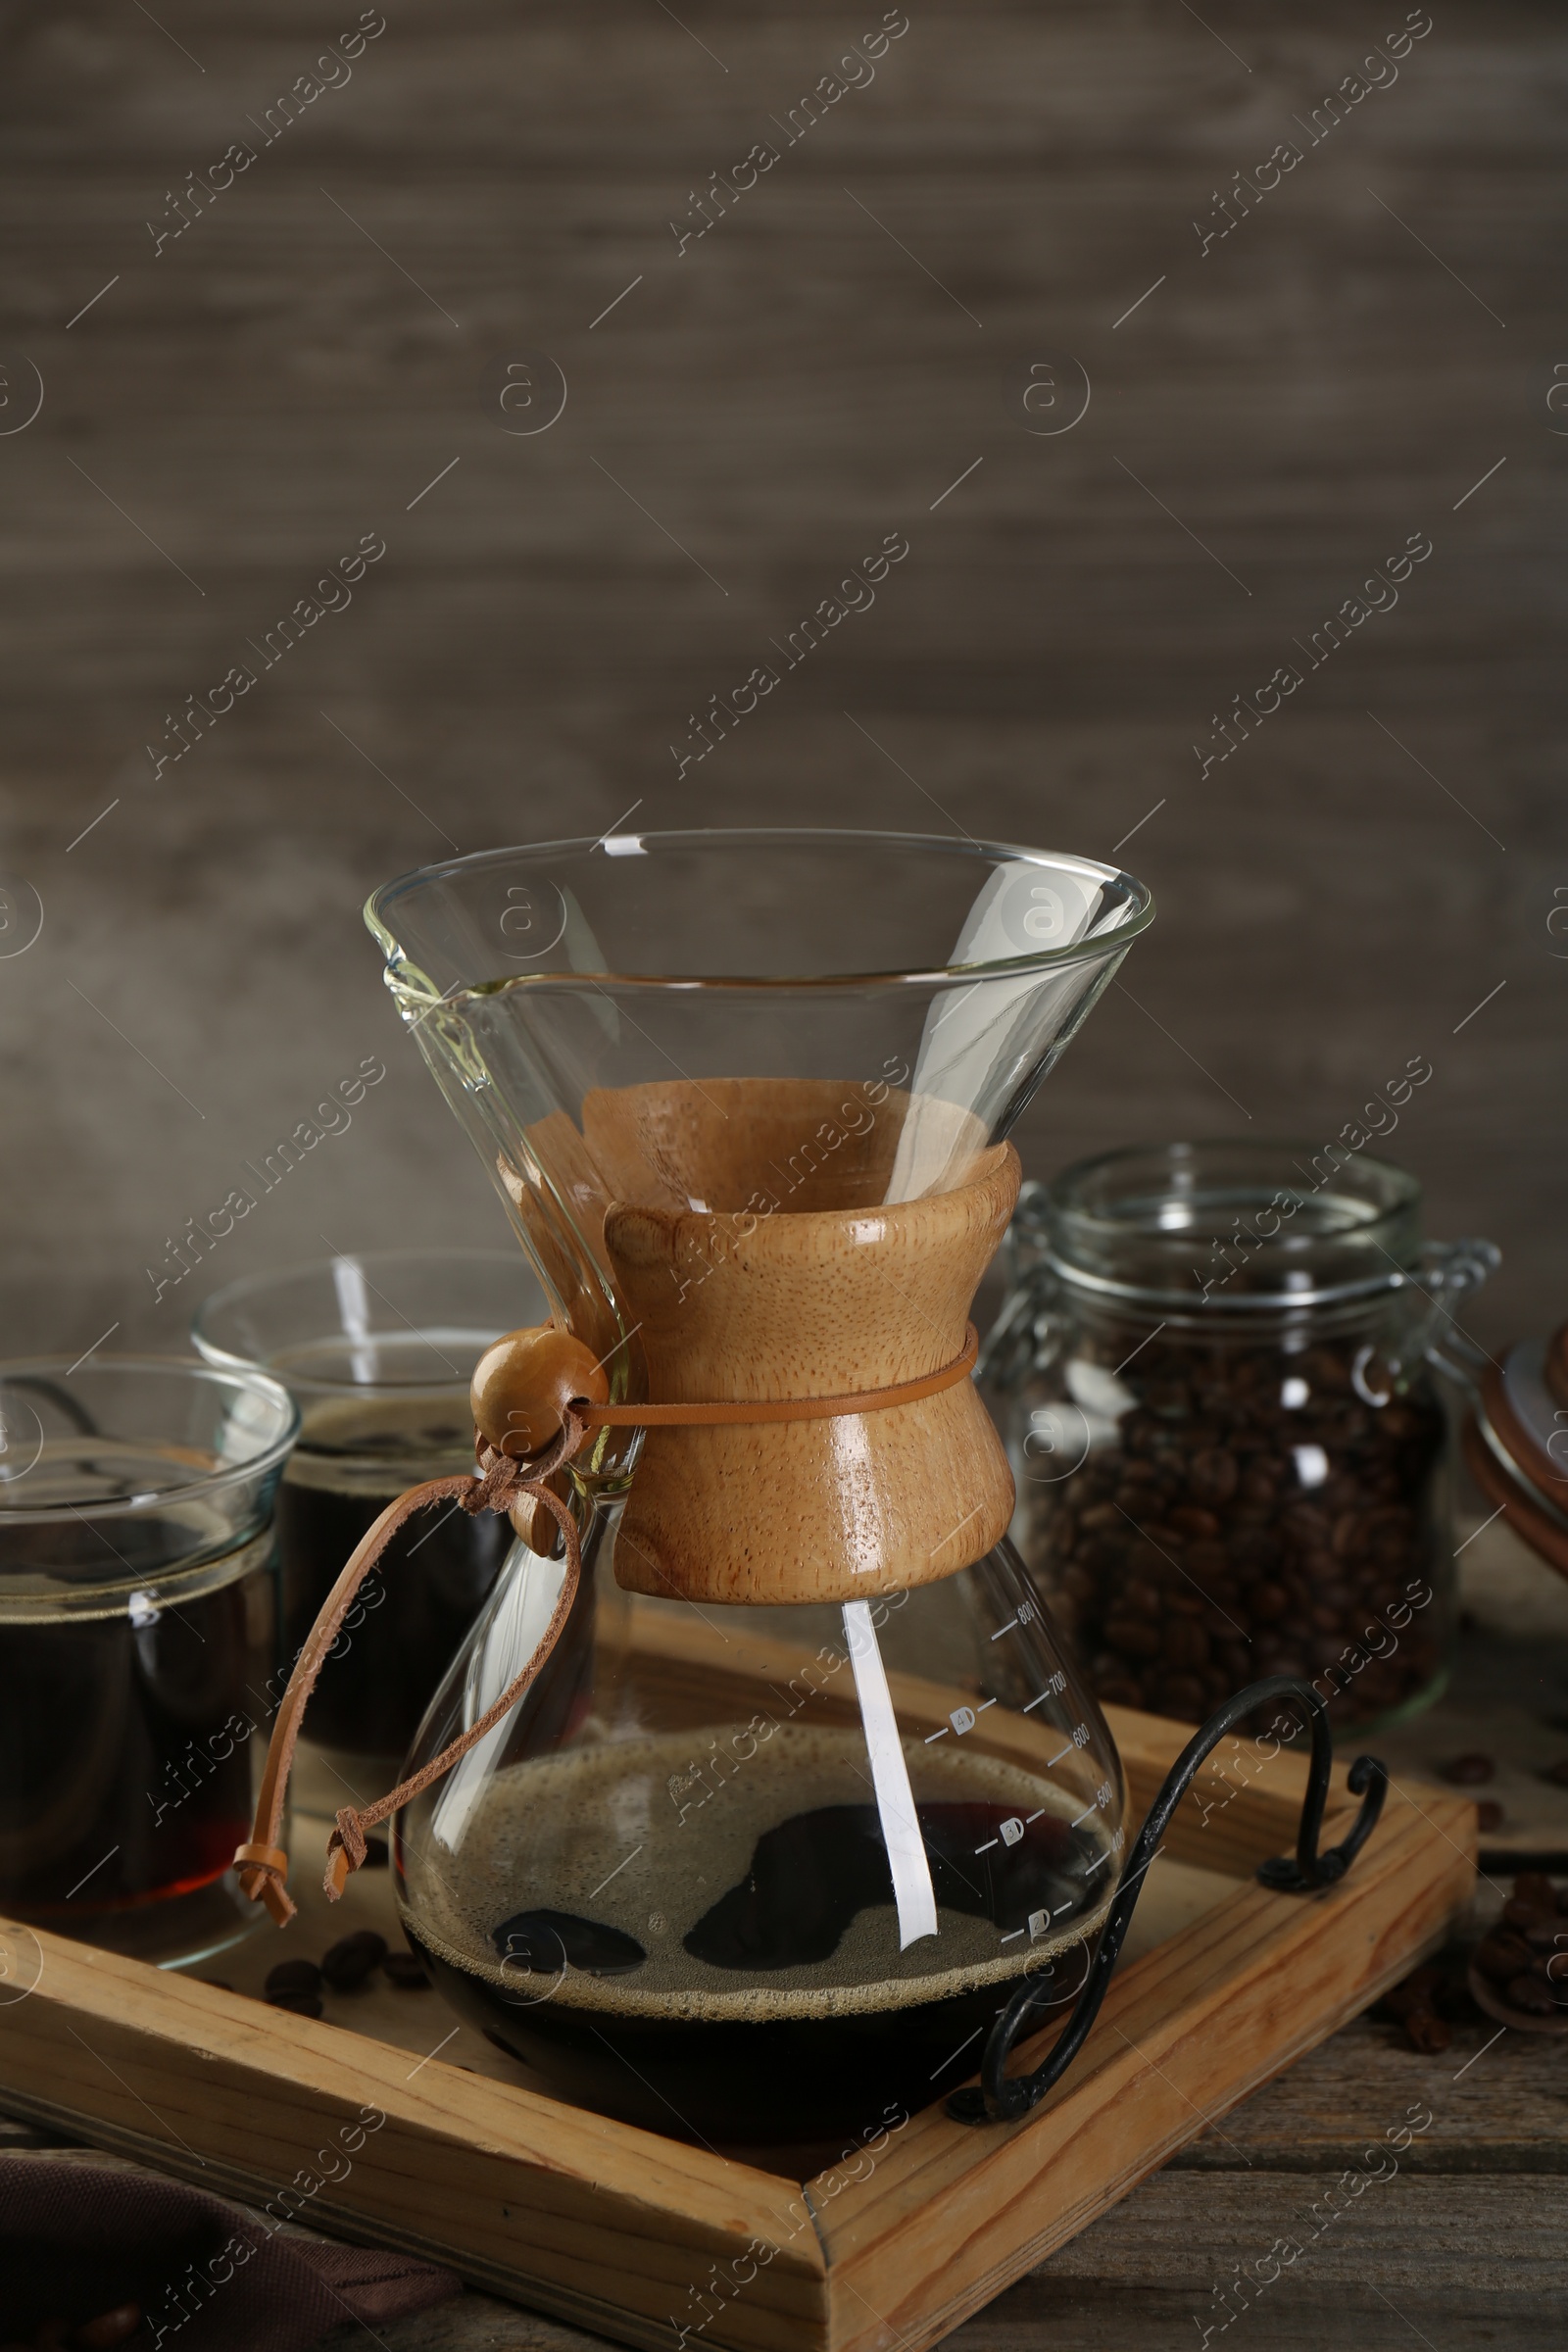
{"type": "Point", "coordinates": [807, 1783]}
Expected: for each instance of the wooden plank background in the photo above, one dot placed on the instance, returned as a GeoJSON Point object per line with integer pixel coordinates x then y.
{"type": "Point", "coordinates": [224, 416]}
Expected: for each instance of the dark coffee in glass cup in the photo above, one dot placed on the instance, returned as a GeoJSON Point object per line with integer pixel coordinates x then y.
{"type": "Point", "coordinates": [138, 1645]}
{"type": "Point", "coordinates": [377, 1350]}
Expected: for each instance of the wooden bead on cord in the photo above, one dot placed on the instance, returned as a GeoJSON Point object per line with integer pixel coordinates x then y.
{"type": "Point", "coordinates": [524, 1382]}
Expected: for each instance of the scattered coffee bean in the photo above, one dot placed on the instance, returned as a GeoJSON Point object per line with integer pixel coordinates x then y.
{"type": "Point", "coordinates": [407, 1971]}
{"type": "Point", "coordinates": [1188, 1557]}
{"type": "Point", "coordinates": [1489, 1817]}
{"type": "Point", "coordinates": [349, 1963]}
{"type": "Point", "coordinates": [292, 1975]}
{"type": "Point", "coordinates": [1426, 2031]}
{"type": "Point", "coordinates": [1471, 1770]}
{"type": "Point", "coordinates": [1533, 1995]}
{"type": "Point", "coordinates": [1414, 1992]}
{"type": "Point", "coordinates": [1532, 1887]}
{"type": "Point", "coordinates": [298, 2004]}
{"type": "Point", "coordinates": [1502, 1956]}
{"type": "Point", "coordinates": [1522, 1911]}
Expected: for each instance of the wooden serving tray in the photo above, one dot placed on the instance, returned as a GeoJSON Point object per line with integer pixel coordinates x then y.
{"type": "Point", "coordinates": [668, 2246]}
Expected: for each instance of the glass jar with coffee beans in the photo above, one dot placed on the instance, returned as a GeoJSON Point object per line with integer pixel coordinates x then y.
{"type": "Point", "coordinates": [1211, 1374]}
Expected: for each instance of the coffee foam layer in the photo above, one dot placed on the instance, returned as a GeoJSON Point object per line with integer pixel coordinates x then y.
{"type": "Point", "coordinates": [596, 1832]}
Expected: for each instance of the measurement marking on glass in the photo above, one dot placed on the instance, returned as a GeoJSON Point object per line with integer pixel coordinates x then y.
{"type": "Point", "coordinates": [1082, 1816]}
{"type": "Point", "coordinates": [1036, 1816]}
{"type": "Point", "coordinates": [984, 1704]}
{"type": "Point", "coordinates": [1015, 1932]}
{"type": "Point", "coordinates": [942, 1735]}
{"type": "Point", "coordinates": [989, 1843]}
{"type": "Point", "coordinates": [1061, 1907]}
{"type": "Point", "coordinates": [616, 1873]}
{"type": "Point", "coordinates": [1006, 1629]}
{"type": "Point", "coordinates": [1094, 1865]}
{"type": "Point", "coordinates": [1067, 1751]}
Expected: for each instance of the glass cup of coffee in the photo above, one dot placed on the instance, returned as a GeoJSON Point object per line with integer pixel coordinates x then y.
{"type": "Point", "coordinates": [138, 1644]}
{"type": "Point", "coordinates": [376, 1350]}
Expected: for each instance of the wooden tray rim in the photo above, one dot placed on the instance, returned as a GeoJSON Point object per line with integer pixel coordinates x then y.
{"type": "Point", "coordinates": [947, 2217]}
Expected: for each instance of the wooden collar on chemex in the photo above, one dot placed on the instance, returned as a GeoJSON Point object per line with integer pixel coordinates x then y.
{"type": "Point", "coordinates": [536, 1394]}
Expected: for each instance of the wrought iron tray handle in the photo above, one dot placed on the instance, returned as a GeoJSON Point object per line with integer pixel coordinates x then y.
{"type": "Point", "coordinates": [1001, 2097]}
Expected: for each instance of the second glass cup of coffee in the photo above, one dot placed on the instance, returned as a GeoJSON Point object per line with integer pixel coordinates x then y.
{"type": "Point", "coordinates": [377, 1349]}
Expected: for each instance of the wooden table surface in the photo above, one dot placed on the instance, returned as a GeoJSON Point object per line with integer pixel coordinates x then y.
{"type": "Point", "coordinates": [1464, 2245]}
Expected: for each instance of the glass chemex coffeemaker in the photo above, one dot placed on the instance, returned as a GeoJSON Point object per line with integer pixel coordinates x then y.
{"type": "Point", "coordinates": [763, 1781]}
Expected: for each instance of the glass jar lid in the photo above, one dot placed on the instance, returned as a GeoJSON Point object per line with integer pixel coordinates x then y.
{"type": "Point", "coordinates": [1516, 1440]}
{"type": "Point", "coordinates": [1230, 1225]}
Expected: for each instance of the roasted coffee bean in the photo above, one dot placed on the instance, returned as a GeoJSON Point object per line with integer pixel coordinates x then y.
{"type": "Point", "coordinates": [292, 1975]}
{"type": "Point", "coordinates": [1427, 2032]}
{"type": "Point", "coordinates": [1522, 1911]}
{"type": "Point", "coordinates": [1134, 1637]}
{"type": "Point", "coordinates": [1141, 1599]}
{"type": "Point", "coordinates": [1195, 1520]}
{"type": "Point", "coordinates": [1502, 1955]}
{"type": "Point", "coordinates": [1489, 1817]}
{"type": "Point", "coordinates": [1412, 1992]}
{"type": "Point", "coordinates": [1186, 1644]}
{"type": "Point", "coordinates": [406, 1971]}
{"type": "Point", "coordinates": [298, 2004]}
{"type": "Point", "coordinates": [1189, 1520]}
{"type": "Point", "coordinates": [1115, 1684]}
{"type": "Point", "coordinates": [349, 1963]}
{"type": "Point", "coordinates": [1533, 1886]}
{"type": "Point", "coordinates": [1182, 1695]}
{"type": "Point", "coordinates": [1535, 1998]}
{"type": "Point", "coordinates": [1470, 1771]}
{"type": "Point", "coordinates": [1214, 1477]}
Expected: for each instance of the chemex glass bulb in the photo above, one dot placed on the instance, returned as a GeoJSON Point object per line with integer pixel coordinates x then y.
{"type": "Point", "coordinates": [810, 1781]}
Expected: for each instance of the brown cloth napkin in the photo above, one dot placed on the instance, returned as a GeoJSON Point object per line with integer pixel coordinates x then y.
{"type": "Point", "coordinates": [78, 2240]}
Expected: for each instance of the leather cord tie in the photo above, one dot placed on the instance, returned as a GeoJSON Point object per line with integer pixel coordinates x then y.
{"type": "Point", "coordinates": [783, 1408]}
{"type": "Point", "coordinates": [502, 1481]}
{"type": "Point", "coordinates": [261, 1864]}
